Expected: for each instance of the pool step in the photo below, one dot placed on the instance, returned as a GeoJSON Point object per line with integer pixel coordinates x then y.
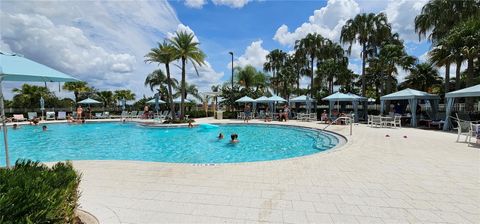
{"type": "Point", "coordinates": [324, 141]}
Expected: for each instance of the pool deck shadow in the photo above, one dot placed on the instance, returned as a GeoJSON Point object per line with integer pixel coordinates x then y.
{"type": "Point", "coordinates": [413, 176]}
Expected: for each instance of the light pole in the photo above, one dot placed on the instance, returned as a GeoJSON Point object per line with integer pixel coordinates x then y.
{"type": "Point", "coordinates": [231, 53]}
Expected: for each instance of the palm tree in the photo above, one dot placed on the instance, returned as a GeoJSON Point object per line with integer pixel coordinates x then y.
{"type": "Point", "coordinates": [187, 50]}
{"type": "Point", "coordinates": [249, 77]}
{"type": "Point", "coordinates": [393, 56]}
{"type": "Point", "coordinates": [28, 96]}
{"type": "Point", "coordinates": [190, 89]}
{"type": "Point", "coordinates": [441, 56]}
{"type": "Point", "coordinates": [438, 17]}
{"type": "Point", "coordinates": [164, 54]}
{"type": "Point", "coordinates": [369, 30]}
{"type": "Point", "coordinates": [310, 47]}
{"type": "Point", "coordinates": [275, 61]}
{"type": "Point", "coordinates": [106, 97]}
{"type": "Point", "coordinates": [158, 79]}
{"type": "Point", "coordinates": [299, 63]}
{"type": "Point", "coordinates": [77, 88]}
{"type": "Point", "coordinates": [286, 80]}
{"type": "Point", "coordinates": [123, 94]}
{"type": "Point", "coordinates": [423, 77]}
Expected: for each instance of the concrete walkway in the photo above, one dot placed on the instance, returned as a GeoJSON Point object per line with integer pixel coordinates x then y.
{"type": "Point", "coordinates": [424, 178]}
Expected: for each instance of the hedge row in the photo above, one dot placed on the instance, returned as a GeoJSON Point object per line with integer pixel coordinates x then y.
{"type": "Point", "coordinates": [32, 192]}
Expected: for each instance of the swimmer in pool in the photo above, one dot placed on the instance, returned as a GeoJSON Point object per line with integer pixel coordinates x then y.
{"type": "Point", "coordinates": [44, 127]}
{"type": "Point", "coordinates": [220, 136]}
{"type": "Point", "coordinates": [234, 138]}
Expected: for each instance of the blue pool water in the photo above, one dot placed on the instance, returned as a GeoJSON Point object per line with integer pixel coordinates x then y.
{"type": "Point", "coordinates": [117, 141]}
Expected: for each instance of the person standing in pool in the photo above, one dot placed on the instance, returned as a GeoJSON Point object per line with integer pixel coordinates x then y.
{"type": "Point", "coordinates": [248, 113]}
{"type": "Point", "coordinates": [44, 127]}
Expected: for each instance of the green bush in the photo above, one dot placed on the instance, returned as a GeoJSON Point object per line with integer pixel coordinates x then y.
{"type": "Point", "coordinates": [31, 192]}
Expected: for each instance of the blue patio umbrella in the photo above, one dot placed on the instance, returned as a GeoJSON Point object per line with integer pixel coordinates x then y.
{"type": "Point", "coordinates": [89, 101]}
{"type": "Point", "coordinates": [17, 68]}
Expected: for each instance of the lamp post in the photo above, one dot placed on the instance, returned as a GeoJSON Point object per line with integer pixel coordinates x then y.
{"type": "Point", "coordinates": [231, 53]}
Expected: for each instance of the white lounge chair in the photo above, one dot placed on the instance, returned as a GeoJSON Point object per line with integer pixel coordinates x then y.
{"type": "Point", "coordinates": [98, 115]}
{"type": "Point", "coordinates": [106, 114]}
{"type": "Point", "coordinates": [241, 115]}
{"type": "Point", "coordinates": [19, 117]}
{"type": "Point", "coordinates": [32, 115]}
{"type": "Point", "coordinates": [474, 132]}
{"type": "Point", "coordinates": [463, 128]}
{"type": "Point", "coordinates": [377, 121]}
{"type": "Point", "coordinates": [312, 117]}
{"type": "Point", "coordinates": [397, 121]}
{"type": "Point", "coordinates": [133, 114]}
{"type": "Point", "coordinates": [62, 115]}
{"type": "Point", "coordinates": [50, 115]}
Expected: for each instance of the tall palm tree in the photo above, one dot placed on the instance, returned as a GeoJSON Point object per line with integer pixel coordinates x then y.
{"type": "Point", "coordinates": [106, 97]}
{"type": "Point", "coordinates": [158, 79]}
{"type": "Point", "coordinates": [438, 17]}
{"type": "Point", "coordinates": [190, 89]}
{"type": "Point", "coordinates": [186, 49]}
{"type": "Point", "coordinates": [310, 47]}
{"type": "Point", "coordinates": [369, 30]}
{"type": "Point", "coordinates": [77, 88]}
{"type": "Point", "coordinates": [275, 60]}
{"type": "Point", "coordinates": [441, 56]}
{"type": "Point", "coordinates": [164, 54]}
{"type": "Point", "coordinates": [249, 77]}
{"type": "Point", "coordinates": [394, 56]}
{"type": "Point", "coordinates": [422, 77]}
{"type": "Point", "coordinates": [299, 63]}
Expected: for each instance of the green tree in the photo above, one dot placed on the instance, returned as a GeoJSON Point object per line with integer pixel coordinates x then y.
{"type": "Point", "coordinates": [165, 54]}
{"type": "Point", "coordinates": [77, 88]}
{"type": "Point", "coordinates": [28, 96]}
{"type": "Point", "coordinates": [393, 56]}
{"type": "Point", "coordinates": [423, 77]}
{"type": "Point", "coordinates": [186, 49]}
{"type": "Point", "coordinates": [106, 97]}
{"type": "Point", "coordinates": [190, 89]}
{"type": "Point", "coordinates": [158, 79]}
{"type": "Point", "coordinates": [310, 47]}
{"type": "Point", "coordinates": [123, 94]}
{"type": "Point", "coordinates": [441, 56]}
{"type": "Point", "coordinates": [275, 60]}
{"type": "Point", "coordinates": [369, 30]}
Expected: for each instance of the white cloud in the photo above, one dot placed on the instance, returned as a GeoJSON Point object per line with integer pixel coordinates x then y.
{"type": "Point", "coordinates": [182, 28]}
{"type": "Point", "coordinates": [254, 55]}
{"type": "Point", "coordinates": [197, 4]}
{"type": "Point", "coordinates": [101, 42]}
{"type": "Point", "coordinates": [327, 21]}
{"type": "Point", "coordinates": [231, 3]}
{"type": "Point", "coordinates": [401, 14]}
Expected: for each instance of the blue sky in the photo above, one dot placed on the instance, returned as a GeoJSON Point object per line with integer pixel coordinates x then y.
{"type": "Point", "coordinates": [103, 42]}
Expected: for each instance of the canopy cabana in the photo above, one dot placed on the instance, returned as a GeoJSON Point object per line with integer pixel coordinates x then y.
{"type": "Point", "coordinates": [89, 101]}
{"type": "Point", "coordinates": [152, 101]}
{"type": "Point", "coordinates": [15, 67]}
{"type": "Point", "coordinates": [412, 96]}
{"type": "Point", "coordinates": [245, 99]}
{"type": "Point", "coordinates": [345, 97]}
{"type": "Point", "coordinates": [304, 99]}
{"type": "Point", "coordinates": [472, 91]}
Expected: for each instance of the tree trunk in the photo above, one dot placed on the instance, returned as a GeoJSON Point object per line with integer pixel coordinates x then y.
{"type": "Point", "coordinates": [364, 59]}
{"type": "Point", "coordinates": [457, 74]}
{"type": "Point", "coordinates": [447, 77]}
{"type": "Point", "coordinates": [469, 101]}
{"type": "Point", "coordinates": [170, 92]}
{"type": "Point", "coordinates": [75, 93]}
{"type": "Point", "coordinates": [182, 106]}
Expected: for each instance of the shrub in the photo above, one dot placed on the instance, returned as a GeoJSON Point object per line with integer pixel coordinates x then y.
{"type": "Point", "coordinates": [31, 192]}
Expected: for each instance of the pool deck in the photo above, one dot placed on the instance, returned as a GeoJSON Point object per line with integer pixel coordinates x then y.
{"type": "Point", "coordinates": [424, 178]}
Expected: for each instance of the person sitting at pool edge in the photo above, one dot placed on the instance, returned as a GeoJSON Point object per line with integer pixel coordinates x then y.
{"type": "Point", "coordinates": [234, 138]}
{"type": "Point", "coordinates": [190, 125]}
{"type": "Point", "coordinates": [220, 136]}
{"type": "Point", "coordinates": [16, 126]}
{"type": "Point", "coordinates": [44, 127]}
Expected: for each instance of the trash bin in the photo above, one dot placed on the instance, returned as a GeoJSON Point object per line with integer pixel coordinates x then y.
{"type": "Point", "coordinates": [219, 115]}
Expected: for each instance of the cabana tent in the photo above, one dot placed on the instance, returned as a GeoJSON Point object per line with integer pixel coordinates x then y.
{"type": "Point", "coordinates": [412, 96]}
{"type": "Point", "coordinates": [304, 99]}
{"type": "Point", "coordinates": [472, 91]}
{"type": "Point", "coordinates": [344, 97]}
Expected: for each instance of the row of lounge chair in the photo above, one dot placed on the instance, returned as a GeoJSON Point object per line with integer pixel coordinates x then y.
{"type": "Point", "coordinates": [139, 114]}
{"type": "Point", "coordinates": [50, 115]}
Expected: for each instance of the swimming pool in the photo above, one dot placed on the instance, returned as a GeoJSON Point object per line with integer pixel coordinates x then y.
{"type": "Point", "coordinates": [117, 141]}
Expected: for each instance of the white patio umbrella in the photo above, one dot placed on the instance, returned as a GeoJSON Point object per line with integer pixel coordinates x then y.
{"type": "Point", "coordinates": [245, 99]}
{"type": "Point", "coordinates": [89, 101]}
{"type": "Point", "coordinates": [17, 68]}
{"type": "Point", "coordinates": [178, 100]}
{"type": "Point", "coordinates": [152, 101]}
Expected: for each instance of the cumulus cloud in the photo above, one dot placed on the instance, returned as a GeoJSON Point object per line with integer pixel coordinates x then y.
{"type": "Point", "coordinates": [182, 28]}
{"type": "Point", "coordinates": [327, 21]}
{"type": "Point", "coordinates": [231, 3]}
{"type": "Point", "coordinates": [101, 42]}
{"type": "Point", "coordinates": [197, 4]}
{"type": "Point", "coordinates": [254, 55]}
{"type": "Point", "coordinates": [401, 14]}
